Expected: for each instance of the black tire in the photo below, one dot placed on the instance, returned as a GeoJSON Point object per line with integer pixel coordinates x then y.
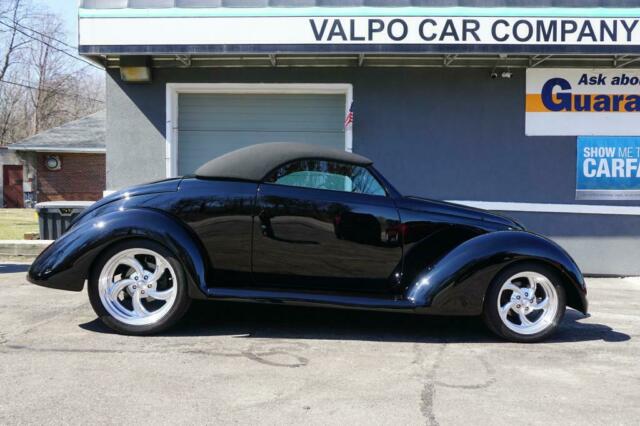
{"type": "Point", "coordinates": [177, 311]}
{"type": "Point", "coordinates": [491, 314]}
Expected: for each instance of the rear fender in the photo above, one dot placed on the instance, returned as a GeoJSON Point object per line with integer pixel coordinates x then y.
{"type": "Point", "coordinates": [457, 283]}
{"type": "Point", "coordinates": [67, 262]}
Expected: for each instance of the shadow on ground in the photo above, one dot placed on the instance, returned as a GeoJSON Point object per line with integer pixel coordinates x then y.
{"type": "Point", "coordinates": [11, 268]}
{"type": "Point", "coordinates": [290, 322]}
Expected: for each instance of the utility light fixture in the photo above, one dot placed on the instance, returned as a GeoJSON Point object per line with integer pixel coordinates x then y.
{"type": "Point", "coordinates": [135, 69]}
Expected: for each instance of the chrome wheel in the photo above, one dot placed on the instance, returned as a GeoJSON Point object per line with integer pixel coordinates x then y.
{"type": "Point", "coordinates": [527, 303]}
{"type": "Point", "coordinates": [137, 286]}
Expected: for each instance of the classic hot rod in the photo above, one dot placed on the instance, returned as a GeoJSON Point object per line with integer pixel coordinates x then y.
{"type": "Point", "coordinates": [301, 224]}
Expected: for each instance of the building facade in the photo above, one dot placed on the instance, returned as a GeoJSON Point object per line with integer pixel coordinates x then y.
{"type": "Point", "coordinates": [65, 163]}
{"type": "Point", "coordinates": [453, 103]}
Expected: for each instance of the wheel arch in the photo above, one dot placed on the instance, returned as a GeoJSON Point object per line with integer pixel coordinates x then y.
{"type": "Point", "coordinates": [457, 283]}
{"type": "Point", "coordinates": [572, 294]}
{"type": "Point", "coordinates": [193, 280]}
{"type": "Point", "coordinates": [67, 263]}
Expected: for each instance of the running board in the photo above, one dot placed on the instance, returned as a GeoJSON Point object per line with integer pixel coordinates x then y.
{"type": "Point", "coordinates": [301, 298]}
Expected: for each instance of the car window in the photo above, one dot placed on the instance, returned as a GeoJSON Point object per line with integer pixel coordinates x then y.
{"type": "Point", "coordinates": [328, 175]}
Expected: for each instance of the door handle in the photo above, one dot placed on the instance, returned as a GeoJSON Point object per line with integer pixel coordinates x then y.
{"type": "Point", "coordinates": [265, 224]}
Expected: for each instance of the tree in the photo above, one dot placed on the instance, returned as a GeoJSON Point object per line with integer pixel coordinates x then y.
{"type": "Point", "coordinates": [11, 13]}
{"type": "Point", "coordinates": [43, 83]}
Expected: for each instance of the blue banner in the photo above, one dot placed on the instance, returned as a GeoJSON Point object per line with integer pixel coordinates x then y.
{"type": "Point", "coordinates": [608, 168]}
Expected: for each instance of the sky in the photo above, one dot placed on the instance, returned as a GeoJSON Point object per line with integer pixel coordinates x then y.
{"type": "Point", "coordinates": [68, 10]}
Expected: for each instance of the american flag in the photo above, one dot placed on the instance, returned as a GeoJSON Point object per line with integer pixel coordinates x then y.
{"type": "Point", "coordinates": [349, 119]}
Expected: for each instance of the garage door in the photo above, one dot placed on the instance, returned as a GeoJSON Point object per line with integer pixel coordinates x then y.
{"type": "Point", "coordinates": [210, 125]}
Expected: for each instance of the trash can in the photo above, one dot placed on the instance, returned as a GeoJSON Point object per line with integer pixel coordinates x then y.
{"type": "Point", "coordinates": [55, 217]}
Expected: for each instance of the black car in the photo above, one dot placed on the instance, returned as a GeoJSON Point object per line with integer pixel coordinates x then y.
{"type": "Point", "coordinates": [301, 224]}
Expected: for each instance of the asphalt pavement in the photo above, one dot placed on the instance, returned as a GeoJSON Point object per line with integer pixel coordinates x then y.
{"type": "Point", "coordinates": [265, 364]}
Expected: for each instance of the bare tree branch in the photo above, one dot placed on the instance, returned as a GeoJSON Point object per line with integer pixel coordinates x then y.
{"type": "Point", "coordinates": [42, 84]}
{"type": "Point", "coordinates": [13, 46]}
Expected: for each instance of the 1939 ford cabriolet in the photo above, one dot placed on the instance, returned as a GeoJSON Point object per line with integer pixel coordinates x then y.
{"type": "Point", "coordinates": [300, 224]}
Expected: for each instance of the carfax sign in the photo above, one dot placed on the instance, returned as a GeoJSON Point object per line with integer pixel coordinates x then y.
{"type": "Point", "coordinates": [608, 168]}
{"type": "Point", "coordinates": [573, 102]}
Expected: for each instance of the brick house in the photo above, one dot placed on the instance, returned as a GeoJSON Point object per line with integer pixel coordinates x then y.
{"type": "Point", "coordinates": [65, 163]}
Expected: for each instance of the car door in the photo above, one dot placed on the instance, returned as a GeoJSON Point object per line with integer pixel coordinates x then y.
{"type": "Point", "coordinates": [325, 225]}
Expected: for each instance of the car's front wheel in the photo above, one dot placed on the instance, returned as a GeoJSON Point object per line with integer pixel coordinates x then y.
{"type": "Point", "coordinates": [525, 302]}
{"type": "Point", "coordinates": [138, 287]}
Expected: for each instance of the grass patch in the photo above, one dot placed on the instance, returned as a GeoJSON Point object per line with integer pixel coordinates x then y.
{"type": "Point", "coordinates": [14, 223]}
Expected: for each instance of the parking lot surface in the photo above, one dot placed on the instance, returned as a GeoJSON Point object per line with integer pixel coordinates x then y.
{"type": "Point", "coordinates": [259, 364]}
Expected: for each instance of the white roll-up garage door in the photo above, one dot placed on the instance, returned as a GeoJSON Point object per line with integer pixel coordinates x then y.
{"type": "Point", "coordinates": [210, 125]}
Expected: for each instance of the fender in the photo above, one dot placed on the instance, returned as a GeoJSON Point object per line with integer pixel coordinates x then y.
{"type": "Point", "coordinates": [457, 283]}
{"type": "Point", "coordinates": [66, 263]}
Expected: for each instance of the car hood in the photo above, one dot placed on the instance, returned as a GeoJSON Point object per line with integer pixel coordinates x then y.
{"type": "Point", "coordinates": [452, 209]}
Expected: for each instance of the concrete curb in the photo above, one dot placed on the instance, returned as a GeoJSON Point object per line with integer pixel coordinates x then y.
{"type": "Point", "coordinates": [25, 250]}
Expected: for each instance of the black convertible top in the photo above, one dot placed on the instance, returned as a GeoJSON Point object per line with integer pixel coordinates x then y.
{"type": "Point", "coordinates": [254, 162]}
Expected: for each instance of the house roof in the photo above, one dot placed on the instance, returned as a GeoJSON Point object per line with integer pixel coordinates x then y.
{"type": "Point", "coordinates": [85, 135]}
{"type": "Point", "coordinates": [160, 4]}
{"type": "Point", "coordinates": [254, 162]}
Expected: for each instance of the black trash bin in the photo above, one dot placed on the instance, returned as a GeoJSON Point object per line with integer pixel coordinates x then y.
{"type": "Point", "coordinates": [55, 217]}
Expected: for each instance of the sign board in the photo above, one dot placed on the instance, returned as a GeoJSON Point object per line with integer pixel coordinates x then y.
{"type": "Point", "coordinates": [573, 102]}
{"type": "Point", "coordinates": [608, 168]}
{"type": "Point", "coordinates": [376, 29]}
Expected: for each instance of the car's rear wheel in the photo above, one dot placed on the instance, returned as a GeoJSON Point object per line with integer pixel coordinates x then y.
{"type": "Point", "coordinates": [138, 287]}
{"type": "Point", "coordinates": [525, 303]}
